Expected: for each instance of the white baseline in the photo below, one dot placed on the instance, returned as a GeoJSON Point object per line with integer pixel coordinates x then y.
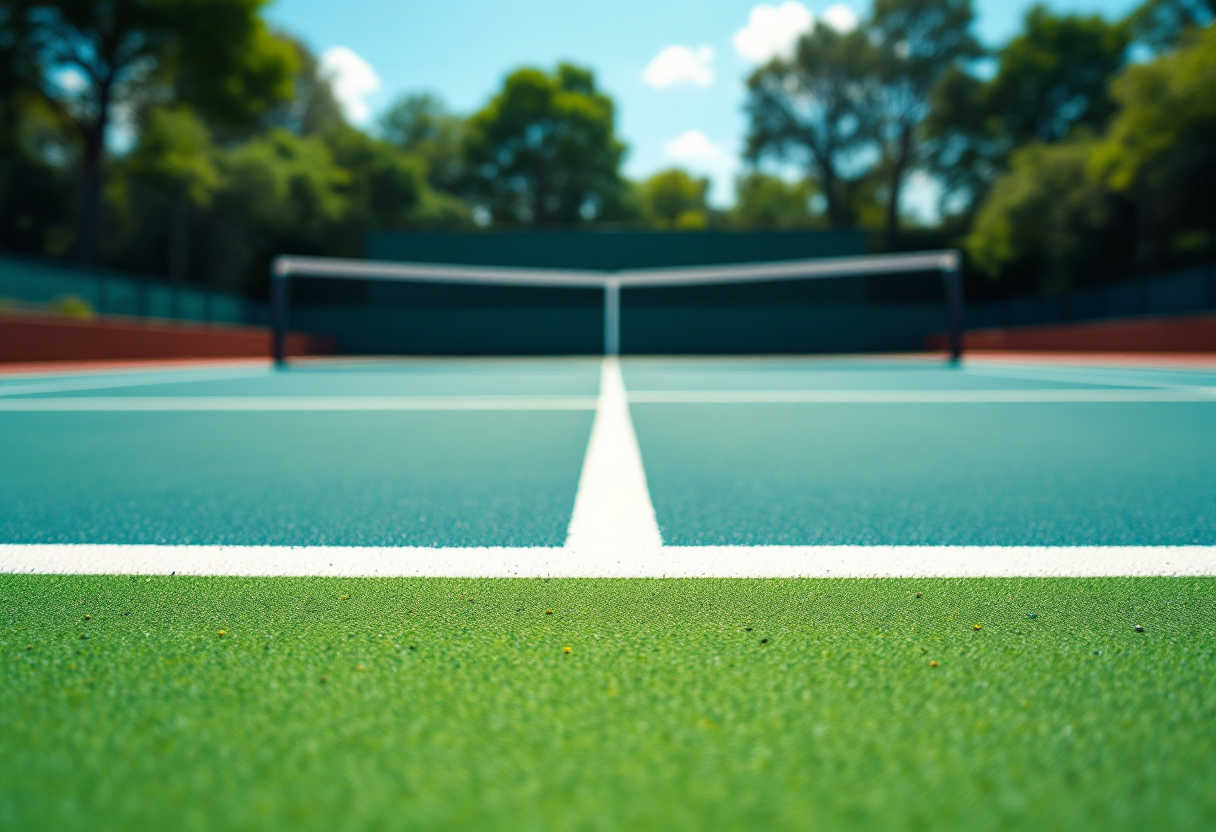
{"type": "Point", "coordinates": [666, 562]}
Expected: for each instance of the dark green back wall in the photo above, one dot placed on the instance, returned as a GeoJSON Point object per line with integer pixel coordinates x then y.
{"type": "Point", "coordinates": [788, 316]}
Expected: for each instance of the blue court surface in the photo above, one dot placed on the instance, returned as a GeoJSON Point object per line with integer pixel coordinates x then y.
{"type": "Point", "coordinates": [735, 452]}
{"type": "Point", "coordinates": [585, 593]}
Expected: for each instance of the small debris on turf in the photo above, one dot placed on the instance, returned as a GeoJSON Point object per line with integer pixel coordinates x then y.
{"type": "Point", "coordinates": [88, 618]}
{"type": "Point", "coordinates": [358, 667]}
{"type": "Point", "coordinates": [1139, 628]}
{"type": "Point", "coordinates": [933, 663]}
{"type": "Point", "coordinates": [548, 612]}
{"type": "Point", "coordinates": [567, 650]}
{"type": "Point", "coordinates": [975, 626]}
{"type": "Point", "coordinates": [84, 636]}
{"type": "Point", "coordinates": [1097, 652]}
{"type": "Point", "coordinates": [221, 633]}
{"type": "Point", "coordinates": [1032, 615]}
{"type": "Point", "coordinates": [324, 679]}
{"type": "Point", "coordinates": [29, 647]}
{"type": "Point", "coordinates": [343, 597]}
{"type": "Point", "coordinates": [918, 595]}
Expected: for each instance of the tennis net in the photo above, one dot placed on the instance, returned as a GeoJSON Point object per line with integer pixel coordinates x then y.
{"type": "Point", "coordinates": [879, 303]}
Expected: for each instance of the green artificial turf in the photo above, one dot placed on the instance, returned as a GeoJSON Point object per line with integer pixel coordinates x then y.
{"type": "Point", "coordinates": [669, 713]}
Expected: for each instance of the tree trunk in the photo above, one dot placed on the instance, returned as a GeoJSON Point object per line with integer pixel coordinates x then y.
{"type": "Point", "coordinates": [827, 177]}
{"type": "Point", "coordinates": [89, 223]}
{"type": "Point", "coordinates": [898, 170]}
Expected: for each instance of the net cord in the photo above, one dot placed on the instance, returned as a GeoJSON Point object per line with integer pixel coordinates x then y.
{"type": "Point", "coordinates": [949, 263]}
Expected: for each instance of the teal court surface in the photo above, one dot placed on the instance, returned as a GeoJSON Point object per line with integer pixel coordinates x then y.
{"type": "Point", "coordinates": [583, 593]}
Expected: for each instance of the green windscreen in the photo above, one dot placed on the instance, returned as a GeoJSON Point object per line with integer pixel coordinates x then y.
{"type": "Point", "coordinates": [887, 313]}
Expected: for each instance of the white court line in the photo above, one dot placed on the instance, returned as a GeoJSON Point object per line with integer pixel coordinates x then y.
{"type": "Point", "coordinates": [613, 516]}
{"type": "Point", "coordinates": [613, 534]}
{"type": "Point", "coordinates": [1191, 394]}
{"type": "Point", "coordinates": [289, 403]}
{"type": "Point", "coordinates": [113, 381]}
{"type": "Point", "coordinates": [665, 562]}
{"type": "Point", "coordinates": [1075, 375]}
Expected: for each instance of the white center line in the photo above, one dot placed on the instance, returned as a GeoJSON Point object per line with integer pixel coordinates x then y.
{"type": "Point", "coordinates": [613, 519]}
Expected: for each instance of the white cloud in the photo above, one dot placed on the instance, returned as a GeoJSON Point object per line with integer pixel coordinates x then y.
{"type": "Point", "coordinates": [680, 65]}
{"type": "Point", "coordinates": [772, 31]}
{"type": "Point", "coordinates": [840, 17]}
{"type": "Point", "coordinates": [352, 79]}
{"type": "Point", "coordinates": [695, 147]}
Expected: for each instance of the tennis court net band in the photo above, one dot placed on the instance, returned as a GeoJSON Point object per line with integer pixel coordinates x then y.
{"type": "Point", "coordinates": [948, 263]}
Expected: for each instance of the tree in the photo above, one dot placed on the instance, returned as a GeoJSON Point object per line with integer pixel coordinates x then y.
{"type": "Point", "coordinates": [769, 202]}
{"type": "Point", "coordinates": [1051, 83]}
{"type": "Point", "coordinates": [545, 150]}
{"type": "Point", "coordinates": [817, 110]}
{"type": "Point", "coordinates": [388, 188]}
{"type": "Point", "coordinates": [421, 124]}
{"type": "Point", "coordinates": [919, 40]}
{"type": "Point", "coordinates": [1161, 147]}
{"type": "Point", "coordinates": [88, 55]}
{"type": "Point", "coordinates": [1053, 79]}
{"type": "Point", "coordinates": [285, 186]}
{"type": "Point", "coordinates": [311, 109]}
{"type": "Point", "coordinates": [176, 156]}
{"type": "Point", "coordinates": [1161, 24]}
{"type": "Point", "coordinates": [672, 199]}
{"type": "Point", "coordinates": [1045, 216]}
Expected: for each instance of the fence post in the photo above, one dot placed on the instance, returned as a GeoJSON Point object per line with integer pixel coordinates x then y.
{"type": "Point", "coordinates": [953, 276]}
{"type": "Point", "coordinates": [278, 312]}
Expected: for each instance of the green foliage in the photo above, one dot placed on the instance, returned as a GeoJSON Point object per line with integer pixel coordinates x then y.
{"type": "Point", "coordinates": [420, 124]}
{"type": "Point", "coordinates": [544, 150]}
{"type": "Point", "coordinates": [1163, 141]}
{"type": "Point", "coordinates": [72, 306]}
{"type": "Point", "coordinates": [763, 202]}
{"type": "Point", "coordinates": [1054, 76]}
{"type": "Point", "coordinates": [284, 184]}
{"type": "Point", "coordinates": [1051, 84]}
{"type": "Point", "coordinates": [175, 155]}
{"type": "Point", "coordinates": [672, 199]}
{"type": "Point", "coordinates": [1161, 24]}
{"type": "Point", "coordinates": [1043, 213]}
{"type": "Point", "coordinates": [311, 108]}
{"type": "Point", "coordinates": [225, 60]}
{"type": "Point", "coordinates": [817, 110]}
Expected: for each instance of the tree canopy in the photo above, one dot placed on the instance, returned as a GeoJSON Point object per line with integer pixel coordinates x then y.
{"type": "Point", "coordinates": [544, 150]}
{"type": "Point", "coordinates": [1058, 158]}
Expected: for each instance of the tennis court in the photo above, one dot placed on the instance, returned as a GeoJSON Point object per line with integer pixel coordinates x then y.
{"type": "Point", "coordinates": [874, 591]}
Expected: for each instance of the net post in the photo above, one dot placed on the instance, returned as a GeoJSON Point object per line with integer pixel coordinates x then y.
{"type": "Point", "coordinates": [952, 274]}
{"type": "Point", "coordinates": [612, 317]}
{"type": "Point", "coordinates": [278, 311]}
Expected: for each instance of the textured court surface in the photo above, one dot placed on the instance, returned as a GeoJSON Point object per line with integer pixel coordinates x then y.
{"type": "Point", "coordinates": [704, 703]}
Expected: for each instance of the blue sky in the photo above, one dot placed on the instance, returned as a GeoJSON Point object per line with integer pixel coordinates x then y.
{"type": "Point", "coordinates": [674, 67]}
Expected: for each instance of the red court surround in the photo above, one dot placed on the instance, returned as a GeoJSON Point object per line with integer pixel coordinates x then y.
{"type": "Point", "coordinates": [1174, 333]}
{"type": "Point", "coordinates": [35, 338]}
